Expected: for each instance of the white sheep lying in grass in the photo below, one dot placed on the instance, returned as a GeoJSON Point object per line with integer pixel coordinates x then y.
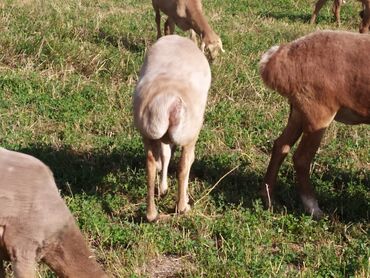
{"type": "Point", "coordinates": [35, 223]}
{"type": "Point", "coordinates": [325, 76]}
{"type": "Point", "coordinates": [187, 15]}
{"type": "Point", "coordinates": [169, 103]}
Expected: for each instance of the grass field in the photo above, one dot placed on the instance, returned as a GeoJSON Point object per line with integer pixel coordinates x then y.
{"type": "Point", "coordinates": [67, 73]}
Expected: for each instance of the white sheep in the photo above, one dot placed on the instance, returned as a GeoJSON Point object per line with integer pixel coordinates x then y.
{"type": "Point", "coordinates": [35, 223]}
{"type": "Point", "coordinates": [169, 103]}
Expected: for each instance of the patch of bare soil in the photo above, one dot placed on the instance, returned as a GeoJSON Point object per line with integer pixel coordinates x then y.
{"type": "Point", "coordinates": [166, 266]}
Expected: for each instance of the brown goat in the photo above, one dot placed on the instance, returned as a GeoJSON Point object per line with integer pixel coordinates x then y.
{"type": "Point", "coordinates": [187, 15]}
{"type": "Point", "coordinates": [35, 223]}
{"type": "Point", "coordinates": [321, 86]}
{"type": "Point", "coordinates": [365, 13]}
{"type": "Point", "coordinates": [169, 104]}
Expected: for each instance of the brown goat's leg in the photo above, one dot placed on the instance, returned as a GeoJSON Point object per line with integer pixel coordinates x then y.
{"type": "Point", "coordinates": [151, 210]}
{"type": "Point", "coordinates": [158, 22]}
{"type": "Point", "coordinates": [336, 10]}
{"type": "Point", "coordinates": [280, 150]}
{"type": "Point", "coordinates": [169, 26]}
{"type": "Point", "coordinates": [365, 24]}
{"type": "Point", "coordinates": [186, 160]}
{"type": "Point", "coordinates": [302, 159]}
{"type": "Point", "coordinates": [165, 157]}
{"type": "Point", "coordinates": [318, 7]}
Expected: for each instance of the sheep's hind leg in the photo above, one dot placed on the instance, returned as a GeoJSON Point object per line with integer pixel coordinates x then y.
{"type": "Point", "coordinates": [336, 10]}
{"type": "Point", "coordinates": [165, 158]}
{"type": "Point", "coordinates": [302, 159]}
{"type": "Point", "coordinates": [280, 150]}
{"type": "Point", "coordinates": [318, 7]}
{"type": "Point", "coordinates": [151, 210]}
{"type": "Point", "coordinates": [186, 160]}
{"type": "Point", "coordinates": [365, 24]}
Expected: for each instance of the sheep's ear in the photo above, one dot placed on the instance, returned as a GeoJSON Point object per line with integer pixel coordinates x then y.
{"type": "Point", "coordinates": [202, 46]}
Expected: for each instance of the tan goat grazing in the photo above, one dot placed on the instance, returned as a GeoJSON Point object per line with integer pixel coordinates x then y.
{"type": "Point", "coordinates": [35, 223]}
{"type": "Point", "coordinates": [321, 86]}
{"type": "Point", "coordinates": [169, 103]}
{"type": "Point", "coordinates": [365, 13]}
{"type": "Point", "coordinates": [187, 15]}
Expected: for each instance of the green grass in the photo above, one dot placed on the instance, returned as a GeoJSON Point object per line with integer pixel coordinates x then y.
{"type": "Point", "coordinates": [67, 73]}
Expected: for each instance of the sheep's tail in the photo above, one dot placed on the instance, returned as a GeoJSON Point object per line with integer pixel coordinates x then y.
{"type": "Point", "coordinates": [273, 70]}
{"type": "Point", "coordinates": [266, 58]}
{"type": "Point", "coordinates": [162, 116]}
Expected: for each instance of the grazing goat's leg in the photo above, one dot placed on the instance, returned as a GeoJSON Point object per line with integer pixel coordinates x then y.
{"type": "Point", "coordinates": [318, 7]}
{"type": "Point", "coordinates": [365, 24]}
{"type": "Point", "coordinates": [193, 36]}
{"type": "Point", "coordinates": [158, 21]}
{"type": "Point", "coordinates": [165, 158]}
{"type": "Point", "coordinates": [280, 150]}
{"type": "Point", "coordinates": [24, 266]}
{"type": "Point", "coordinates": [336, 10]}
{"type": "Point", "coordinates": [151, 210]}
{"type": "Point", "coordinates": [71, 257]}
{"type": "Point", "coordinates": [302, 159]}
{"type": "Point", "coordinates": [186, 160]}
{"type": "Point", "coordinates": [169, 26]}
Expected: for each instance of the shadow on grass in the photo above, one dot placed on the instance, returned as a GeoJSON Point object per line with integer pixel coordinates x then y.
{"type": "Point", "coordinates": [341, 195]}
{"type": "Point", "coordinates": [132, 44]}
{"type": "Point", "coordinates": [239, 187]}
{"type": "Point", "coordinates": [346, 195]}
{"type": "Point", "coordinates": [84, 171]}
{"type": "Point", "coordinates": [87, 172]}
{"type": "Point", "coordinates": [294, 17]}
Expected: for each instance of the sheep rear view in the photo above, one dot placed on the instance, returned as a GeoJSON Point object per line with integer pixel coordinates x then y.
{"type": "Point", "coordinates": [321, 86]}
{"type": "Point", "coordinates": [169, 103]}
{"type": "Point", "coordinates": [187, 15]}
{"type": "Point", "coordinates": [35, 223]}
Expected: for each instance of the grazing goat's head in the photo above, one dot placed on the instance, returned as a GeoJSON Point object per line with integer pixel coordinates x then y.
{"type": "Point", "coordinates": [214, 46]}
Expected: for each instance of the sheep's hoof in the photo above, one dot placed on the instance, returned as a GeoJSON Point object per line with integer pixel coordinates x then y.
{"type": "Point", "coordinates": [152, 216]}
{"type": "Point", "coordinates": [317, 214]}
{"type": "Point", "coordinates": [163, 192]}
{"type": "Point", "coordinates": [182, 209]}
{"type": "Point", "coordinates": [267, 197]}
